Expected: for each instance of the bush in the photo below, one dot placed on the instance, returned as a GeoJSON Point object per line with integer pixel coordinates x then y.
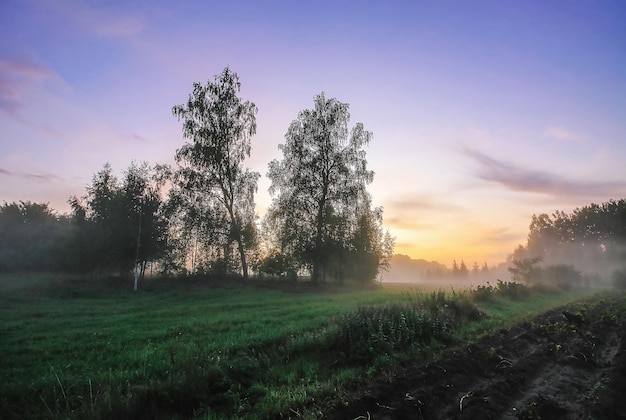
{"type": "Point", "coordinates": [544, 288]}
{"type": "Point", "coordinates": [512, 290]}
{"type": "Point", "coordinates": [563, 276]}
{"type": "Point", "coordinates": [483, 293]}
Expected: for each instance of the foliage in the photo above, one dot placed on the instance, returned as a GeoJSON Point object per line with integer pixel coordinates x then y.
{"type": "Point", "coordinates": [119, 225]}
{"type": "Point", "coordinates": [512, 290]}
{"type": "Point", "coordinates": [527, 270]}
{"type": "Point", "coordinates": [278, 265]}
{"type": "Point", "coordinates": [29, 235]}
{"type": "Point", "coordinates": [115, 226]}
{"type": "Point", "coordinates": [589, 237]}
{"type": "Point", "coordinates": [369, 331]}
{"type": "Point", "coordinates": [562, 276]}
{"type": "Point", "coordinates": [321, 214]}
{"type": "Point", "coordinates": [508, 289]}
{"type": "Point", "coordinates": [483, 293]}
{"type": "Point", "coordinates": [215, 191]}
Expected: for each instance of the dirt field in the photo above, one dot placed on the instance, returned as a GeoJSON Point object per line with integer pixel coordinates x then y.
{"type": "Point", "coordinates": [566, 364]}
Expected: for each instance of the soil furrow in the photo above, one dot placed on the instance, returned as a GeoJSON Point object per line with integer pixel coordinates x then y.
{"type": "Point", "coordinates": [566, 364]}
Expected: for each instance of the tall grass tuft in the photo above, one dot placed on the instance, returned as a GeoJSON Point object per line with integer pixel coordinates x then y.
{"type": "Point", "coordinates": [362, 335]}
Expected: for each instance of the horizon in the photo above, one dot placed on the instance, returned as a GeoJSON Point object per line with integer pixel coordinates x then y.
{"type": "Point", "coordinates": [481, 115]}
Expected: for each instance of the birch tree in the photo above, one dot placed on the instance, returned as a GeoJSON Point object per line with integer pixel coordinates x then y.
{"type": "Point", "coordinates": [320, 198]}
{"type": "Point", "coordinates": [218, 126]}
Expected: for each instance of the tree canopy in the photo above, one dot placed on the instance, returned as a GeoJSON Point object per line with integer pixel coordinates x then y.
{"type": "Point", "coordinates": [321, 214]}
{"type": "Point", "coordinates": [219, 125]}
{"type": "Point", "coordinates": [590, 239]}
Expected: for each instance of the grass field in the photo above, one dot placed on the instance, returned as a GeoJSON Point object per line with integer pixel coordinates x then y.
{"type": "Point", "coordinates": [239, 351]}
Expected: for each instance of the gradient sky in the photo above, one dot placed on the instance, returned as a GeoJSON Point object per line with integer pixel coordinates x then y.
{"type": "Point", "coordinates": [483, 112]}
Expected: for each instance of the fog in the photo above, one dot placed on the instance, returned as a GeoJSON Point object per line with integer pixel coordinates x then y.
{"type": "Point", "coordinates": [404, 269]}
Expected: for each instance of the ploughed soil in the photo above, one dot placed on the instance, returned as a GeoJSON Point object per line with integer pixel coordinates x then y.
{"type": "Point", "coordinates": [568, 363]}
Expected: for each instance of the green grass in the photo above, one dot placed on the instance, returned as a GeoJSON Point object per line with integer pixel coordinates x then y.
{"type": "Point", "coordinates": [208, 352]}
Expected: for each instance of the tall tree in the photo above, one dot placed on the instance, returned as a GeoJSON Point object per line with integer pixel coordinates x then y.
{"type": "Point", "coordinates": [321, 204]}
{"type": "Point", "coordinates": [146, 226]}
{"type": "Point", "coordinates": [219, 125]}
{"type": "Point", "coordinates": [120, 225]}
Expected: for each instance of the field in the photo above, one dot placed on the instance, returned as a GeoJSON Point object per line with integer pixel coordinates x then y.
{"type": "Point", "coordinates": [73, 349]}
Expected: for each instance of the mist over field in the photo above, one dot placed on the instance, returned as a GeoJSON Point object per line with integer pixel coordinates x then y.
{"type": "Point", "coordinates": [404, 269]}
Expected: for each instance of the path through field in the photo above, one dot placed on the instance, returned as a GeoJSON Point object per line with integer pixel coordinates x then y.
{"type": "Point", "coordinates": [565, 364]}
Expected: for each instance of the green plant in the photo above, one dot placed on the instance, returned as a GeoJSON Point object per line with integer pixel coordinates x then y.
{"type": "Point", "coordinates": [512, 290]}
{"type": "Point", "coordinates": [483, 293]}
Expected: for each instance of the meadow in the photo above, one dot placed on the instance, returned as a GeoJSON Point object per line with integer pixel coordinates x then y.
{"type": "Point", "coordinates": [79, 349]}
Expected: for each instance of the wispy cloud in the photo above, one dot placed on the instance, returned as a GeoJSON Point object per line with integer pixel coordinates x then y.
{"type": "Point", "coordinates": [411, 212]}
{"type": "Point", "coordinates": [562, 134]}
{"type": "Point", "coordinates": [421, 202]}
{"type": "Point", "coordinates": [16, 77]}
{"type": "Point", "coordinates": [30, 176]}
{"type": "Point", "coordinates": [139, 138]}
{"type": "Point", "coordinates": [521, 179]}
{"type": "Point", "coordinates": [498, 235]}
{"type": "Point", "coordinates": [407, 223]}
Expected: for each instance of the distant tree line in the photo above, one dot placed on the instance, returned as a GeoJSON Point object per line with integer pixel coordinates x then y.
{"type": "Point", "coordinates": [562, 246]}
{"type": "Point", "coordinates": [199, 216]}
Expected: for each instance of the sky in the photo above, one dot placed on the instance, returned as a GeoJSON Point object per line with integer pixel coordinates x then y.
{"type": "Point", "coordinates": [483, 112]}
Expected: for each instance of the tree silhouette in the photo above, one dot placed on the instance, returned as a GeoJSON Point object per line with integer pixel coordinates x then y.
{"type": "Point", "coordinates": [119, 225]}
{"type": "Point", "coordinates": [29, 233]}
{"type": "Point", "coordinates": [463, 271]}
{"type": "Point", "coordinates": [219, 126]}
{"type": "Point", "coordinates": [321, 211]}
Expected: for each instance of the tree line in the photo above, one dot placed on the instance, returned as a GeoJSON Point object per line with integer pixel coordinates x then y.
{"type": "Point", "coordinates": [199, 216]}
{"type": "Point", "coordinates": [560, 246]}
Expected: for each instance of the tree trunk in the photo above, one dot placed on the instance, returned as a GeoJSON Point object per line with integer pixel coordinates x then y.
{"type": "Point", "coordinates": [317, 256]}
{"type": "Point", "coordinates": [137, 250]}
{"type": "Point", "coordinates": [242, 254]}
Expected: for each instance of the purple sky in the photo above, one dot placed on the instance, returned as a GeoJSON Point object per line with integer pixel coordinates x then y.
{"type": "Point", "coordinates": [483, 112]}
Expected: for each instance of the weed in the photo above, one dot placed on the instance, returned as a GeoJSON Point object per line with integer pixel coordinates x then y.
{"type": "Point", "coordinates": [512, 290]}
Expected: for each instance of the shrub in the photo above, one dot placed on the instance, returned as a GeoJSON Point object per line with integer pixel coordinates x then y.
{"type": "Point", "coordinates": [512, 290]}
{"type": "Point", "coordinates": [543, 288]}
{"type": "Point", "coordinates": [483, 293]}
{"type": "Point", "coordinates": [563, 276]}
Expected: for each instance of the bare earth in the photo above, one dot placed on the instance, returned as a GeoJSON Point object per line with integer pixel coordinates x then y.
{"type": "Point", "coordinates": [566, 364]}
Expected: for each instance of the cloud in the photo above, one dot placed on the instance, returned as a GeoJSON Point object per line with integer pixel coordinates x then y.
{"type": "Point", "coordinates": [421, 202]}
{"type": "Point", "coordinates": [499, 235]}
{"type": "Point", "coordinates": [521, 179]}
{"type": "Point", "coordinates": [139, 138]}
{"type": "Point", "coordinates": [407, 223]}
{"type": "Point", "coordinates": [561, 134]}
{"type": "Point", "coordinates": [30, 176]}
{"type": "Point", "coordinates": [16, 77]}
